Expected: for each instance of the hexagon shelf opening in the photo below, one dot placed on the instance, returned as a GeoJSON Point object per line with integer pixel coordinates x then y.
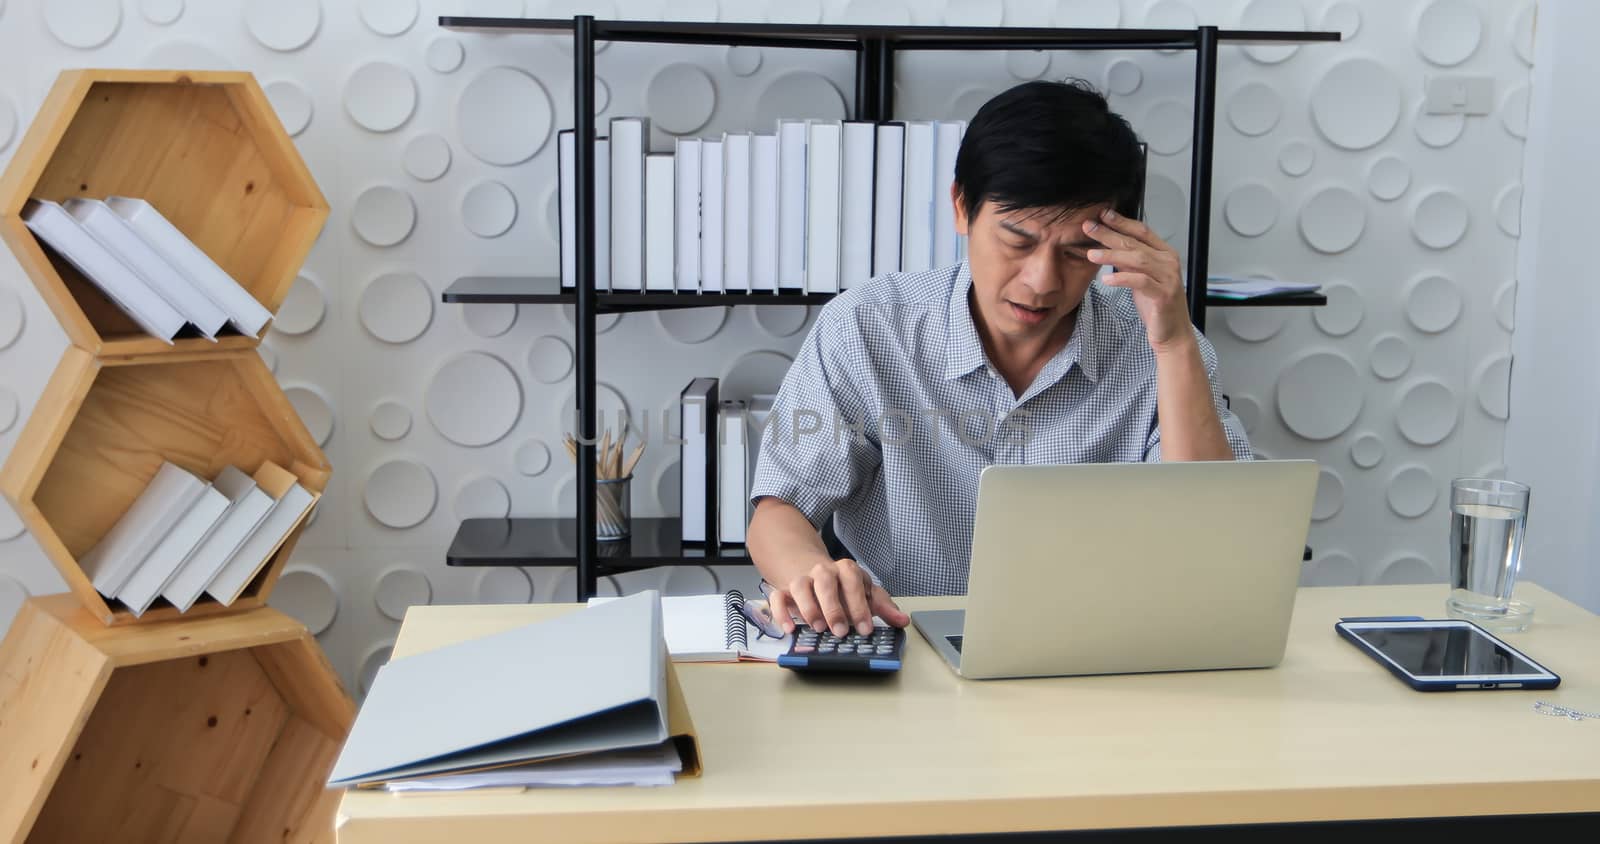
{"type": "Point", "coordinates": [205, 148]}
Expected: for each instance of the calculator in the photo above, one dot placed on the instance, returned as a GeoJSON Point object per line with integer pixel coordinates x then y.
{"type": "Point", "coordinates": [877, 652]}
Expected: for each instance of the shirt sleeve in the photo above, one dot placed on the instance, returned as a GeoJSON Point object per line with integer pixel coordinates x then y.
{"type": "Point", "coordinates": [1232, 428]}
{"type": "Point", "coordinates": [820, 445]}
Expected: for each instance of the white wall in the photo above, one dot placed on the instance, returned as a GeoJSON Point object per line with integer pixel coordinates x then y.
{"type": "Point", "coordinates": [1553, 437]}
{"type": "Point", "coordinates": [1304, 139]}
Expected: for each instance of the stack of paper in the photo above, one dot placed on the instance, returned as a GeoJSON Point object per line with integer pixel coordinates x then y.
{"type": "Point", "coordinates": [1233, 287]}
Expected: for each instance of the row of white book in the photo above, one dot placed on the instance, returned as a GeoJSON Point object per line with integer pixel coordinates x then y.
{"type": "Point", "coordinates": [145, 266]}
{"type": "Point", "coordinates": [815, 206]}
{"type": "Point", "coordinates": [718, 448]}
{"type": "Point", "coordinates": [183, 537]}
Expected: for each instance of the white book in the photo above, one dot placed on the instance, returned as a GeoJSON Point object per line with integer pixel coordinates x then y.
{"type": "Point", "coordinates": [159, 506]}
{"type": "Point", "coordinates": [697, 459]}
{"type": "Point", "coordinates": [947, 142]}
{"type": "Point", "coordinates": [710, 628]}
{"type": "Point", "coordinates": [736, 211]}
{"type": "Point", "coordinates": [916, 225]}
{"type": "Point", "coordinates": [888, 192]}
{"type": "Point", "coordinates": [64, 234]}
{"type": "Point", "coordinates": [248, 505]}
{"type": "Point", "coordinates": [764, 214]}
{"type": "Point", "coordinates": [629, 138]}
{"type": "Point", "coordinates": [687, 218]}
{"type": "Point", "coordinates": [711, 216]}
{"type": "Point", "coordinates": [158, 568]}
{"type": "Point", "coordinates": [855, 203]}
{"type": "Point", "coordinates": [257, 550]}
{"type": "Point", "coordinates": [602, 214]}
{"type": "Point", "coordinates": [822, 206]}
{"type": "Point", "coordinates": [755, 426]}
{"type": "Point", "coordinates": [566, 187]}
{"type": "Point", "coordinates": [658, 228]}
{"type": "Point", "coordinates": [792, 204]}
{"type": "Point", "coordinates": [114, 233]}
{"type": "Point", "coordinates": [247, 315]}
{"type": "Point", "coordinates": [731, 459]}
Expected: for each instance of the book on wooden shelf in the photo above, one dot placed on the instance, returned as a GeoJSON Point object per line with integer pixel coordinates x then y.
{"type": "Point", "coordinates": [857, 159]}
{"type": "Point", "coordinates": [248, 505]}
{"type": "Point", "coordinates": [292, 502]}
{"type": "Point", "coordinates": [158, 567]}
{"type": "Point", "coordinates": [160, 505]}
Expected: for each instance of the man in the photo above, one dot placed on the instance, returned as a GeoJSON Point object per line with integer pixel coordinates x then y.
{"type": "Point", "coordinates": [910, 384]}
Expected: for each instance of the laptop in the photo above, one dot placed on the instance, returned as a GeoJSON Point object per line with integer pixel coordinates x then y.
{"type": "Point", "coordinates": [1129, 567]}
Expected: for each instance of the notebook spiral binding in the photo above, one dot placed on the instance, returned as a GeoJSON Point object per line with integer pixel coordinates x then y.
{"type": "Point", "coordinates": [737, 632]}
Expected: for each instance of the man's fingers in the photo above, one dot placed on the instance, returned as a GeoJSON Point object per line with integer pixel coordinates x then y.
{"type": "Point", "coordinates": [855, 583]}
{"type": "Point", "coordinates": [1135, 229]}
{"type": "Point", "coordinates": [885, 608]}
{"type": "Point", "coordinates": [1134, 259]}
{"type": "Point", "coordinates": [826, 582]}
{"type": "Point", "coordinates": [781, 606]}
{"type": "Point", "coordinates": [805, 600]}
{"type": "Point", "coordinates": [1138, 282]}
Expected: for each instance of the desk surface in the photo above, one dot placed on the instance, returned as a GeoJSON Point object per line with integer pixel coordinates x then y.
{"type": "Point", "coordinates": [1327, 735]}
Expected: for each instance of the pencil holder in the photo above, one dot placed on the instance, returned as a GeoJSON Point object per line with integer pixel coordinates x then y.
{"type": "Point", "coordinates": [613, 511]}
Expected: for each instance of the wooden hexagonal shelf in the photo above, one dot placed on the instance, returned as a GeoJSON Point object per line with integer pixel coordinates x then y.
{"type": "Point", "coordinates": [205, 148]}
{"type": "Point", "coordinates": [102, 429]}
{"type": "Point", "coordinates": [213, 729]}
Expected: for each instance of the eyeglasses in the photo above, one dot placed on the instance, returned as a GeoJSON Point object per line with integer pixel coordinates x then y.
{"type": "Point", "coordinates": [759, 613]}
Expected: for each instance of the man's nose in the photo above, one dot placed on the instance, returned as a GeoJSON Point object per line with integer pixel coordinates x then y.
{"type": "Point", "coordinates": [1042, 272]}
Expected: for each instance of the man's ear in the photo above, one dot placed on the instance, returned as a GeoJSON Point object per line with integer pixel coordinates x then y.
{"type": "Point", "coordinates": [961, 209]}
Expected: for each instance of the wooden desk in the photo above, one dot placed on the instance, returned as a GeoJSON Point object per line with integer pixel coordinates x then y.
{"type": "Point", "coordinates": [1327, 735]}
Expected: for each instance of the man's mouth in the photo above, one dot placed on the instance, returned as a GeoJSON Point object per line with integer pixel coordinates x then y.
{"type": "Point", "coordinates": [1027, 314]}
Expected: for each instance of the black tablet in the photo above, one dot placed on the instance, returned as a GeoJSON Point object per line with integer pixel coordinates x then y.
{"type": "Point", "coordinates": [1446, 655]}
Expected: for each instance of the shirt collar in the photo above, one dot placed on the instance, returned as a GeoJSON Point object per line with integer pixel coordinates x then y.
{"type": "Point", "coordinates": [964, 351]}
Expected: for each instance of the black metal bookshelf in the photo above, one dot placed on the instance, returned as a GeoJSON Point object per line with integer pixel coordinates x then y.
{"type": "Point", "coordinates": [540, 541]}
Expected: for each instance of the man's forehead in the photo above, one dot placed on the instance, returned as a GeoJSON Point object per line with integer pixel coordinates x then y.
{"type": "Point", "coordinates": [1049, 222]}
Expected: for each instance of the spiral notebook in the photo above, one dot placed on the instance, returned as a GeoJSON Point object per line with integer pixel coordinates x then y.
{"type": "Point", "coordinates": [710, 628]}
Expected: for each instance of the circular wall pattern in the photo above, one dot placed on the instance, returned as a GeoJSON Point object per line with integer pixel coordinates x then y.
{"type": "Point", "coordinates": [390, 421]}
{"type": "Point", "coordinates": [794, 11]}
{"type": "Point", "coordinates": [1448, 32]}
{"type": "Point", "coordinates": [158, 12]}
{"type": "Point", "coordinates": [968, 102]}
{"type": "Point", "coordinates": [489, 209]}
{"type": "Point", "coordinates": [533, 457]}
{"type": "Point", "coordinates": [1247, 410]}
{"type": "Point", "coordinates": [427, 157]}
{"type": "Point", "coordinates": [489, 320]}
{"type": "Point", "coordinates": [1344, 18]}
{"type": "Point", "coordinates": [401, 589]}
{"type": "Point", "coordinates": [186, 54]}
{"type": "Point", "coordinates": [610, 408]}
{"type": "Point", "coordinates": [1330, 496]}
{"type": "Point", "coordinates": [308, 596]}
{"type": "Point", "coordinates": [269, 357]}
{"type": "Point", "coordinates": [9, 408]}
{"type": "Point", "coordinates": [1514, 112]}
{"type": "Point", "coordinates": [690, 11]}
{"type": "Point", "coordinates": [755, 374]}
{"type": "Point", "coordinates": [692, 325]}
{"type": "Point", "coordinates": [1296, 158]}
{"type": "Point", "coordinates": [445, 54]}
{"type": "Point", "coordinates": [1433, 304]}
{"type": "Point", "coordinates": [283, 25]}
{"type": "Point", "coordinates": [483, 497]}
{"type": "Point", "coordinates": [1332, 220]}
{"type": "Point", "coordinates": [1272, 15]}
{"type": "Point", "coordinates": [1522, 32]}
{"type": "Point", "coordinates": [796, 95]}
{"type": "Point", "coordinates": [552, 215]}
{"type": "Point", "coordinates": [680, 99]}
{"type": "Point", "coordinates": [1342, 314]}
{"type": "Point", "coordinates": [313, 410]}
{"type": "Point", "coordinates": [781, 320]}
{"type": "Point", "coordinates": [496, 134]}
{"type": "Point", "coordinates": [375, 658]}
{"type": "Point", "coordinates": [1168, 127]}
{"type": "Point", "coordinates": [396, 307]}
{"type": "Point", "coordinates": [1494, 389]}
{"type": "Point", "coordinates": [8, 122]}
{"type": "Point", "coordinates": [602, 95]}
{"type": "Point", "coordinates": [1412, 491]}
{"type": "Point", "coordinates": [383, 216]}
{"type": "Point", "coordinates": [504, 585]}
{"type": "Point", "coordinates": [1088, 14]}
{"type": "Point", "coordinates": [1507, 211]}
{"type": "Point", "coordinates": [1407, 569]}
{"type": "Point", "coordinates": [1334, 568]}
{"type": "Point", "coordinates": [13, 317]}
{"type": "Point", "coordinates": [401, 493]}
{"type": "Point", "coordinates": [380, 96]}
{"type": "Point", "coordinates": [668, 487]}
{"type": "Point", "coordinates": [1166, 206]}
{"type": "Point", "coordinates": [12, 596]}
{"type": "Point", "coordinates": [474, 399]}
{"type": "Point", "coordinates": [1254, 325]}
{"type": "Point", "coordinates": [743, 61]}
{"type": "Point", "coordinates": [292, 104]}
{"type": "Point", "coordinates": [1320, 395]}
{"type": "Point", "coordinates": [1505, 303]}
{"type": "Point", "coordinates": [1169, 14]}
{"type": "Point", "coordinates": [880, 12]}
{"type": "Point", "coordinates": [549, 359]}
{"type": "Point", "coordinates": [1427, 413]}
{"type": "Point", "coordinates": [1391, 357]}
{"type": "Point", "coordinates": [1123, 77]}
{"type": "Point", "coordinates": [973, 12]}
{"type": "Point", "coordinates": [1027, 64]}
{"type": "Point", "coordinates": [302, 310]}
{"type": "Point", "coordinates": [10, 526]}
{"type": "Point", "coordinates": [1367, 451]}
{"type": "Point", "coordinates": [389, 17]}
{"type": "Point", "coordinates": [602, 322]}
{"type": "Point", "coordinates": [1438, 130]}
{"type": "Point", "coordinates": [84, 24]}
{"type": "Point", "coordinates": [1251, 209]}
{"type": "Point", "coordinates": [1356, 104]}
{"type": "Point", "coordinates": [1388, 178]}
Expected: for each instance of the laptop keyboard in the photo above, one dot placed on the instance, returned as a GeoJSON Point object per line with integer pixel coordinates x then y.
{"type": "Point", "coordinates": [955, 642]}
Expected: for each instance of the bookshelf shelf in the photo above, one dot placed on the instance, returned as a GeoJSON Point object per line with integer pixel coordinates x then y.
{"type": "Point", "coordinates": [553, 542]}
{"type": "Point", "coordinates": [215, 729]}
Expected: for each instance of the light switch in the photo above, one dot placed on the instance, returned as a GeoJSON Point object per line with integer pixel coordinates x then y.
{"type": "Point", "coordinates": [1459, 95]}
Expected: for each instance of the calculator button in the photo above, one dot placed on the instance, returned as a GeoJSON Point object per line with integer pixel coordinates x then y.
{"type": "Point", "coordinates": [805, 649]}
{"type": "Point", "coordinates": [884, 649]}
{"type": "Point", "coordinates": [824, 649]}
{"type": "Point", "coordinates": [847, 648]}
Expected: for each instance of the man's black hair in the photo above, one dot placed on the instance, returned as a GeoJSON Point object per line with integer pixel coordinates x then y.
{"type": "Point", "coordinates": [1049, 145]}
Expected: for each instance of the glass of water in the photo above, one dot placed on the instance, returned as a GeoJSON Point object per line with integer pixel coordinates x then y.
{"type": "Point", "coordinates": [1487, 521]}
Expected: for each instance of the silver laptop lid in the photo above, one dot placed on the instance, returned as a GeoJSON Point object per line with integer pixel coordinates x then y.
{"type": "Point", "coordinates": [1129, 567]}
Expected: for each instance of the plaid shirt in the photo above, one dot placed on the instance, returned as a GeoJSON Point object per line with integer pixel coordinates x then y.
{"type": "Point", "coordinates": [891, 410]}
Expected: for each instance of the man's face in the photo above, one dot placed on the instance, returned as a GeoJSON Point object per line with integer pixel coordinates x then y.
{"type": "Point", "coordinates": [1029, 268]}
